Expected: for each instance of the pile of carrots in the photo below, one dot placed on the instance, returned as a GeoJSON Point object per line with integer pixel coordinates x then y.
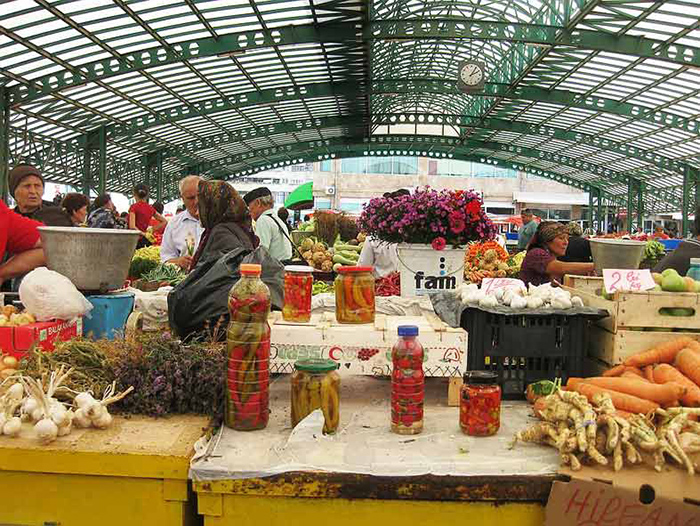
{"type": "Point", "coordinates": [667, 375]}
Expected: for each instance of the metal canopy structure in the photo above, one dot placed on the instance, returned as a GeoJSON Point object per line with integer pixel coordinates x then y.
{"type": "Point", "coordinates": [603, 95]}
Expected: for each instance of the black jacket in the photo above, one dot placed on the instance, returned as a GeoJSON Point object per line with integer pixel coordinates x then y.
{"type": "Point", "coordinates": [578, 251]}
{"type": "Point", "coordinates": [49, 214]}
{"type": "Point", "coordinates": [224, 238]}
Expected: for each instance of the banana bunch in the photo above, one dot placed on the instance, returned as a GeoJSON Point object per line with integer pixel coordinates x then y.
{"type": "Point", "coordinates": [310, 392]}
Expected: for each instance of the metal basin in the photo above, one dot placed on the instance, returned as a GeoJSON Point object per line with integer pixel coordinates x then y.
{"type": "Point", "coordinates": [94, 259]}
{"type": "Point", "coordinates": [616, 253]}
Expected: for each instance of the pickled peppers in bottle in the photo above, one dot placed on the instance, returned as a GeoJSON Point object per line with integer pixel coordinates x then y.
{"type": "Point", "coordinates": [407, 382]}
{"type": "Point", "coordinates": [298, 283]}
{"type": "Point", "coordinates": [354, 295]}
{"type": "Point", "coordinates": [316, 385]}
{"type": "Point", "coordinates": [248, 350]}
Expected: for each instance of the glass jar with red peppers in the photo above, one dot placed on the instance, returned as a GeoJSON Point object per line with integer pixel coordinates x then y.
{"type": "Point", "coordinates": [480, 404]}
{"type": "Point", "coordinates": [248, 349]}
{"type": "Point", "coordinates": [298, 282]}
{"type": "Point", "coordinates": [407, 383]}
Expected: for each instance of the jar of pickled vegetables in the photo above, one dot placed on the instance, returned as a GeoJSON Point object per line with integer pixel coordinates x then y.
{"type": "Point", "coordinates": [407, 383]}
{"type": "Point", "coordinates": [354, 295]}
{"type": "Point", "coordinates": [248, 349]}
{"type": "Point", "coordinates": [298, 281]}
{"type": "Point", "coordinates": [480, 404]}
{"type": "Point", "coordinates": [316, 385]}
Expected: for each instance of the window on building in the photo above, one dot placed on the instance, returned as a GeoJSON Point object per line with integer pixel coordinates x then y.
{"type": "Point", "coordinates": [560, 214]}
{"type": "Point", "coordinates": [322, 204]}
{"type": "Point", "coordinates": [325, 166]}
{"type": "Point", "coordinates": [502, 211]}
{"type": "Point", "coordinates": [353, 165]}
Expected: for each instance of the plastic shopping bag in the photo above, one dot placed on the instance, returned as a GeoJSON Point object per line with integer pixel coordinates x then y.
{"type": "Point", "coordinates": [48, 295]}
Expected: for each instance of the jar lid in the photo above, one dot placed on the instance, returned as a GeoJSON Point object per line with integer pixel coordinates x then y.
{"type": "Point", "coordinates": [250, 269]}
{"type": "Point", "coordinates": [355, 269]}
{"type": "Point", "coordinates": [408, 330]}
{"type": "Point", "coordinates": [695, 261]}
{"type": "Point", "coordinates": [316, 365]}
{"type": "Point", "coordinates": [298, 268]}
{"type": "Point", "coordinates": [480, 377]}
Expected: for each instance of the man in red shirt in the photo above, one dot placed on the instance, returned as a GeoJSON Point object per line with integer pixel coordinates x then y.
{"type": "Point", "coordinates": [19, 238]}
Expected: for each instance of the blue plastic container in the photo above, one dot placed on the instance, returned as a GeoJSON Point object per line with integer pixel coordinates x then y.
{"type": "Point", "coordinates": [108, 316]}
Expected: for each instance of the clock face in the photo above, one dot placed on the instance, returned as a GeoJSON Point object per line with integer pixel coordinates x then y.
{"type": "Point", "coordinates": [471, 74]}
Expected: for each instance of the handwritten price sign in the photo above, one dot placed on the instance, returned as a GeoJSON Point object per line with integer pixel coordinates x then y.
{"type": "Point", "coordinates": [626, 280]}
{"type": "Point", "coordinates": [490, 285]}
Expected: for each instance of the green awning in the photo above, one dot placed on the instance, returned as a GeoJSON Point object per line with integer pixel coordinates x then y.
{"type": "Point", "coordinates": [302, 198]}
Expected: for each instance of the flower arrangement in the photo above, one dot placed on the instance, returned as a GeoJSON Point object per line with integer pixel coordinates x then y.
{"type": "Point", "coordinates": [428, 216]}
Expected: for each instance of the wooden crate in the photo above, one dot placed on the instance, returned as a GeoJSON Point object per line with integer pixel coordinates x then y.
{"type": "Point", "coordinates": [589, 284]}
{"type": "Point", "coordinates": [613, 348]}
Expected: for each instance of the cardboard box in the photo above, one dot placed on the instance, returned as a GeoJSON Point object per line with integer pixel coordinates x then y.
{"type": "Point", "coordinates": [631, 497]}
{"type": "Point", "coordinates": [18, 340]}
{"type": "Point", "coordinates": [366, 349]}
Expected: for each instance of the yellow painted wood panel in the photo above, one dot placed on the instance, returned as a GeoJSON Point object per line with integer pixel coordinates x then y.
{"type": "Point", "coordinates": [277, 511]}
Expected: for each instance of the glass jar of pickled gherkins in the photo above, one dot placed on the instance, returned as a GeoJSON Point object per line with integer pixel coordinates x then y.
{"type": "Point", "coordinates": [354, 295]}
{"type": "Point", "coordinates": [316, 385]}
{"type": "Point", "coordinates": [298, 281]}
{"type": "Point", "coordinates": [407, 382]}
{"type": "Point", "coordinates": [248, 350]}
{"type": "Point", "coordinates": [480, 404]}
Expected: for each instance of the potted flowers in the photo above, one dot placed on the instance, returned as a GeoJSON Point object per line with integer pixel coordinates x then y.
{"type": "Point", "coordinates": [431, 228]}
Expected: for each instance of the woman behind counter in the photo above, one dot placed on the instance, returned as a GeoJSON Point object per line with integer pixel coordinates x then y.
{"type": "Point", "coordinates": [75, 206]}
{"type": "Point", "coordinates": [226, 221]}
{"type": "Point", "coordinates": [541, 264]}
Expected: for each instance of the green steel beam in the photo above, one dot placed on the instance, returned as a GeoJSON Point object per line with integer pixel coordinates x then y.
{"type": "Point", "coordinates": [102, 161]}
{"type": "Point", "coordinates": [635, 204]}
{"type": "Point", "coordinates": [441, 29]}
{"type": "Point", "coordinates": [4, 142]}
{"type": "Point", "coordinates": [233, 44]}
{"type": "Point", "coordinates": [535, 94]}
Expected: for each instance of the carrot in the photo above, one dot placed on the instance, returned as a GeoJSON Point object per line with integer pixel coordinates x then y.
{"type": "Point", "coordinates": [688, 362]}
{"type": "Point", "coordinates": [664, 353]}
{"type": "Point", "coordinates": [636, 371]}
{"type": "Point", "coordinates": [615, 371]}
{"type": "Point", "coordinates": [621, 401]}
{"type": "Point", "coordinates": [624, 414]}
{"type": "Point", "coordinates": [661, 394]}
{"type": "Point", "coordinates": [664, 373]}
{"type": "Point", "coordinates": [649, 373]}
{"type": "Point", "coordinates": [632, 374]}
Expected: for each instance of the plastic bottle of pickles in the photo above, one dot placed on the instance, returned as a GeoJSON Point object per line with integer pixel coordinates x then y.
{"type": "Point", "coordinates": [407, 383]}
{"type": "Point", "coordinates": [248, 348]}
{"type": "Point", "coordinates": [354, 295]}
{"type": "Point", "coordinates": [298, 282]}
{"type": "Point", "coordinates": [316, 385]}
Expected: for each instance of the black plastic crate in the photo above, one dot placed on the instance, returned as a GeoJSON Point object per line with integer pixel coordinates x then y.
{"type": "Point", "coordinates": [525, 348]}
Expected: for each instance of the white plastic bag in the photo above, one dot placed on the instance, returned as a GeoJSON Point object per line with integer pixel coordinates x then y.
{"type": "Point", "coordinates": [46, 295]}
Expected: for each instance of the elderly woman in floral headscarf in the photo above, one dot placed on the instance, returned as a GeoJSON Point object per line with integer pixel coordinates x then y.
{"type": "Point", "coordinates": [226, 221]}
{"type": "Point", "coordinates": [541, 264]}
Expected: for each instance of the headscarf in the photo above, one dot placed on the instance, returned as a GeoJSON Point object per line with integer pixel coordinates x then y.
{"type": "Point", "coordinates": [547, 232]}
{"type": "Point", "coordinates": [574, 229]}
{"type": "Point", "coordinates": [220, 203]}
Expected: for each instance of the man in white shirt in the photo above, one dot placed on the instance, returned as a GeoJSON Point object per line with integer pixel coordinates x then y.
{"type": "Point", "coordinates": [183, 232]}
{"type": "Point", "coordinates": [268, 227]}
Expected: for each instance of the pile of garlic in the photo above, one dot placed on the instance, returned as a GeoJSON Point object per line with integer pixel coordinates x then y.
{"type": "Point", "coordinates": [518, 297]}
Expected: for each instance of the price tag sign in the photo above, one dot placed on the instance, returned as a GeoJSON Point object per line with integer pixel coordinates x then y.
{"type": "Point", "coordinates": [490, 285]}
{"type": "Point", "coordinates": [627, 280]}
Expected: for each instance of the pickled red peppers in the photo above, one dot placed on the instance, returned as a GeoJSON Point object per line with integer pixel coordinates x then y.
{"type": "Point", "coordinates": [354, 295]}
{"type": "Point", "coordinates": [480, 404]}
{"type": "Point", "coordinates": [248, 347]}
{"type": "Point", "coordinates": [298, 283]}
{"type": "Point", "coordinates": [407, 383]}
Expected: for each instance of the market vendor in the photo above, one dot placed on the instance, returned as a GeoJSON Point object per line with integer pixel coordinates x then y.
{"type": "Point", "coordinates": [680, 258]}
{"type": "Point", "coordinates": [527, 230]}
{"type": "Point", "coordinates": [381, 256]}
{"type": "Point", "coordinates": [226, 221]}
{"type": "Point", "coordinates": [268, 227]}
{"type": "Point", "coordinates": [26, 186]}
{"type": "Point", "coordinates": [579, 248]}
{"type": "Point", "coordinates": [75, 207]}
{"type": "Point", "coordinates": [541, 264]}
{"type": "Point", "coordinates": [20, 242]}
{"type": "Point", "coordinates": [184, 231]}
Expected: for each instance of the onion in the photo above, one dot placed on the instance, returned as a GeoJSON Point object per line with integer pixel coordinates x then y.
{"type": "Point", "coordinates": [10, 362]}
{"type": "Point", "coordinates": [12, 427]}
{"type": "Point", "coordinates": [46, 430]}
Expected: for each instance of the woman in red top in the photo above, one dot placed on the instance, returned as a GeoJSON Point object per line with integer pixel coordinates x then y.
{"type": "Point", "coordinates": [19, 241]}
{"type": "Point", "coordinates": [140, 214]}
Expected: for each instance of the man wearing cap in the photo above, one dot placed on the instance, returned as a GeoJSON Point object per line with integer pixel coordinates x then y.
{"type": "Point", "coordinates": [269, 228]}
{"type": "Point", "coordinates": [183, 232]}
{"type": "Point", "coordinates": [26, 186]}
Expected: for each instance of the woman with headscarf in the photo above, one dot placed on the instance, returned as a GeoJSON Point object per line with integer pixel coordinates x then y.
{"type": "Point", "coordinates": [579, 248]}
{"type": "Point", "coordinates": [541, 264]}
{"type": "Point", "coordinates": [226, 221]}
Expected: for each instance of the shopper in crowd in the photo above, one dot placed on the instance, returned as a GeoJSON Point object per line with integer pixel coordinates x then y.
{"type": "Point", "coordinates": [184, 231]}
{"type": "Point", "coordinates": [226, 221]}
{"type": "Point", "coordinates": [579, 248]}
{"type": "Point", "coordinates": [75, 207]}
{"type": "Point", "coordinates": [659, 233]}
{"type": "Point", "coordinates": [541, 264]}
{"type": "Point", "coordinates": [680, 258]}
{"type": "Point", "coordinates": [103, 214]}
{"type": "Point", "coordinates": [140, 214]}
{"type": "Point", "coordinates": [268, 227]}
{"type": "Point", "coordinates": [283, 214]}
{"type": "Point", "coordinates": [26, 186]}
{"type": "Point", "coordinates": [527, 230]}
{"type": "Point", "coordinates": [380, 255]}
{"type": "Point", "coordinates": [20, 245]}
